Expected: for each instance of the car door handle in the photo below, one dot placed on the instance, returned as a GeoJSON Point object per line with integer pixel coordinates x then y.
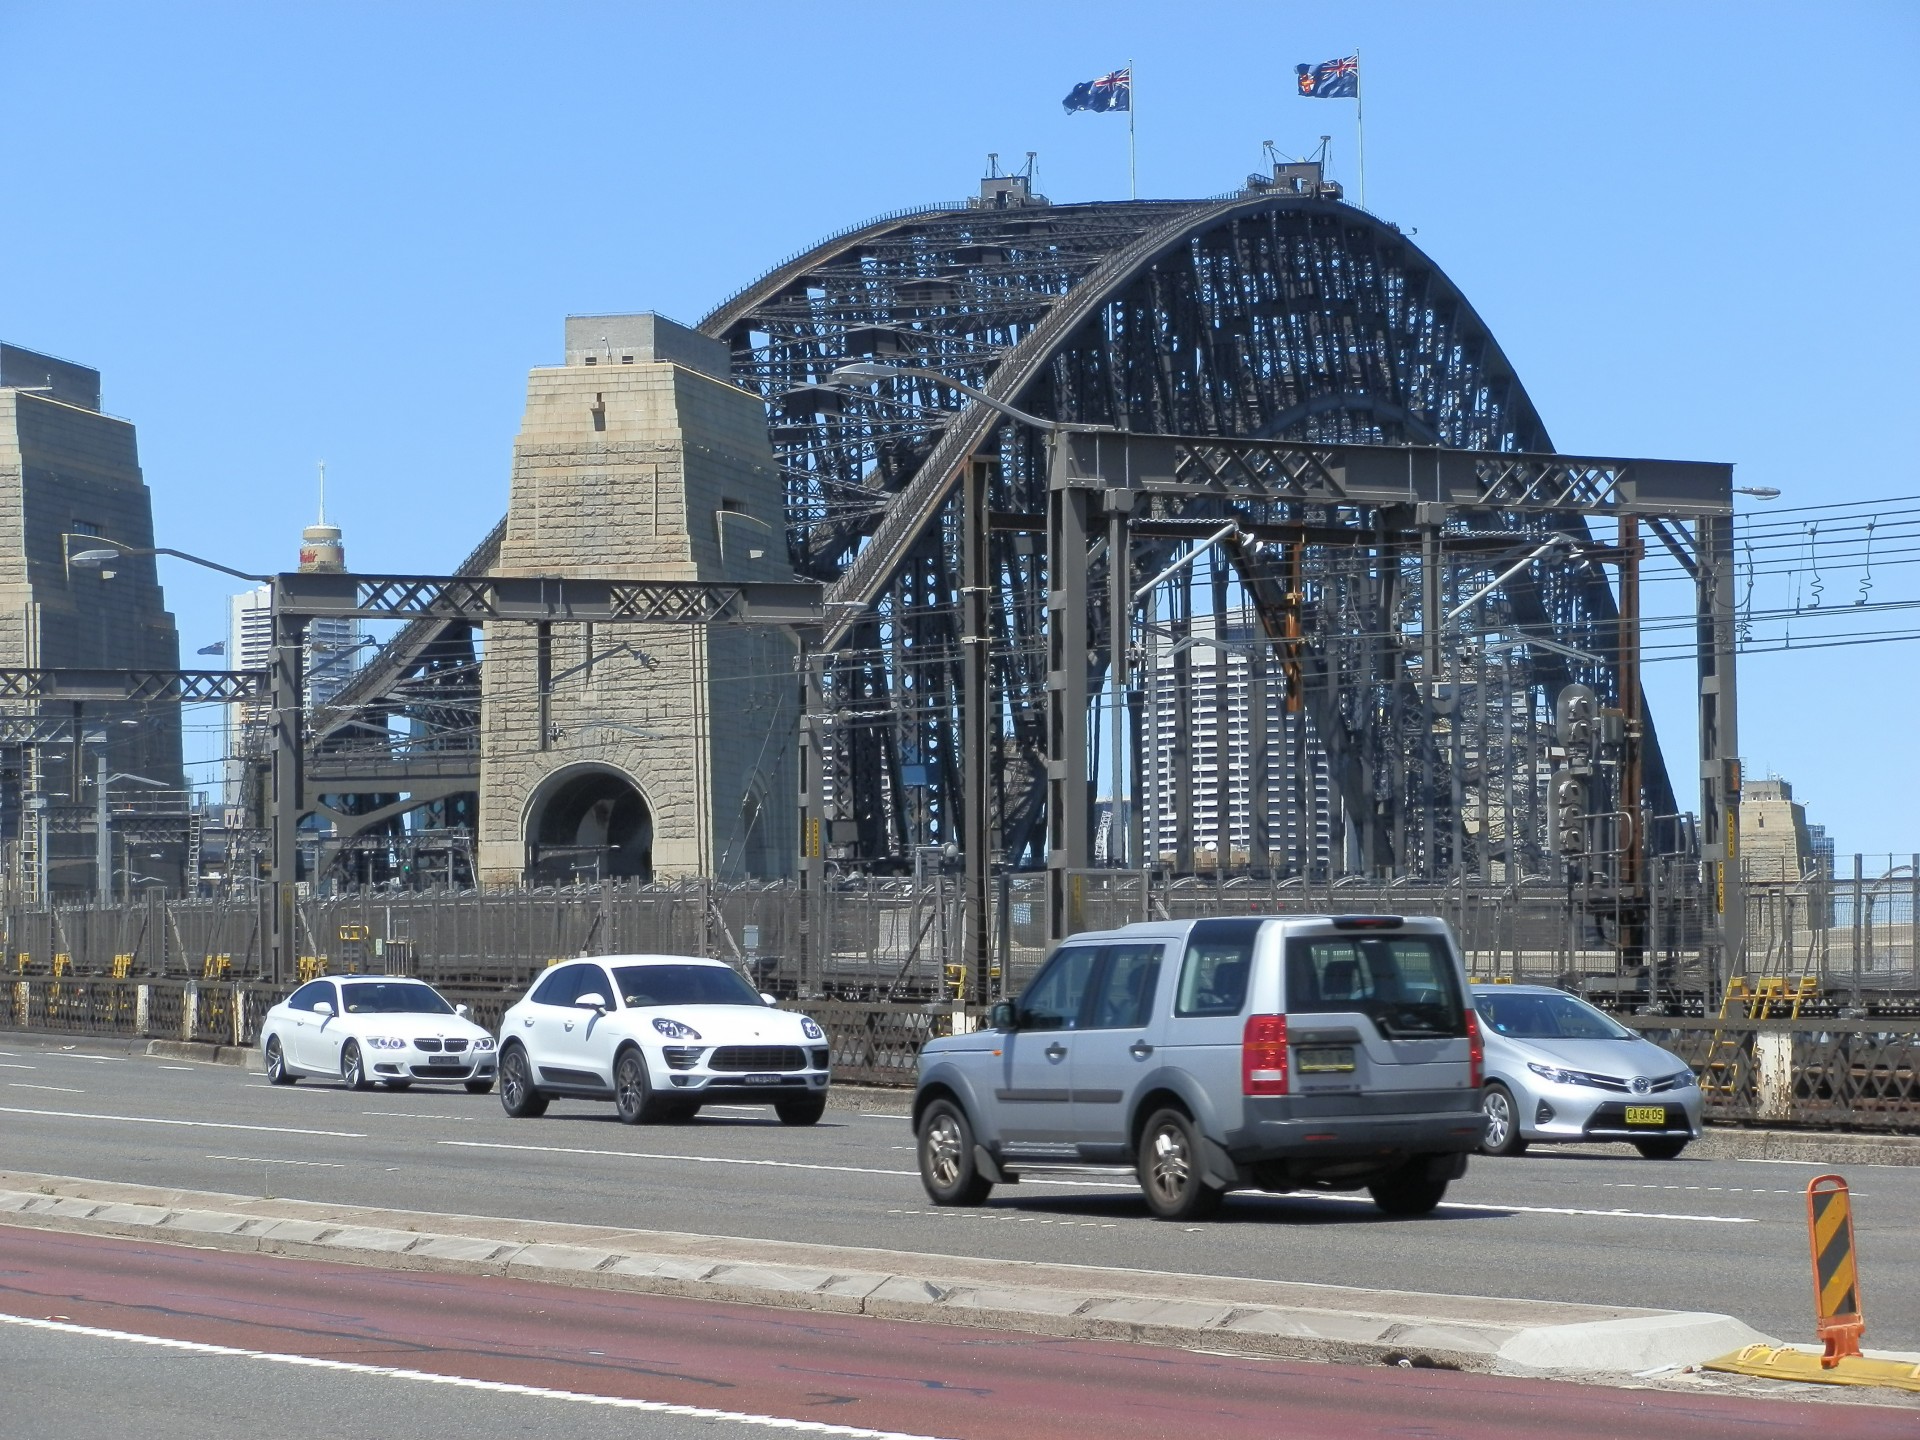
{"type": "Point", "coordinates": [1140, 1049]}
{"type": "Point", "coordinates": [566, 1024]}
{"type": "Point", "coordinates": [527, 1021]}
{"type": "Point", "coordinates": [1056, 1051]}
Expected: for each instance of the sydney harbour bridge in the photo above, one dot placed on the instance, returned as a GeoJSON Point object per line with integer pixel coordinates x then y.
{"type": "Point", "coordinates": [1229, 525]}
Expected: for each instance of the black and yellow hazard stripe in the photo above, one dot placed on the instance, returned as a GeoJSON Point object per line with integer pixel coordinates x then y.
{"type": "Point", "coordinates": [1835, 1285]}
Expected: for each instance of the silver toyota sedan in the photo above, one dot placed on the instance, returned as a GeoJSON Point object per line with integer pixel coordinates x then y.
{"type": "Point", "coordinates": [1557, 1069]}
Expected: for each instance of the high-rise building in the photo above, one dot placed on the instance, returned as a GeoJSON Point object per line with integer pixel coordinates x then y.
{"type": "Point", "coordinates": [330, 656]}
{"type": "Point", "coordinates": [70, 482]}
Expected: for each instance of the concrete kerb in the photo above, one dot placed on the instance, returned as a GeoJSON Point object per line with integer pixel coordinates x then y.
{"type": "Point", "coordinates": [1273, 1319]}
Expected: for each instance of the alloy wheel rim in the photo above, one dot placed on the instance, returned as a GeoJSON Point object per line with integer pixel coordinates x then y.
{"type": "Point", "coordinates": [629, 1094]}
{"type": "Point", "coordinates": [353, 1068]}
{"type": "Point", "coordinates": [275, 1062]}
{"type": "Point", "coordinates": [510, 1078]}
{"type": "Point", "coordinates": [943, 1150]}
{"type": "Point", "coordinates": [1498, 1119]}
{"type": "Point", "coordinates": [1170, 1170]}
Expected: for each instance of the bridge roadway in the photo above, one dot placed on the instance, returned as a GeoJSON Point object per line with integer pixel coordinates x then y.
{"type": "Point", "coordinates": [1596, 1225]}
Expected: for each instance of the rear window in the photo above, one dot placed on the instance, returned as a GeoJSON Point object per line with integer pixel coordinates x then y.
{"type": "Point", "coordinates": [1404, 983]}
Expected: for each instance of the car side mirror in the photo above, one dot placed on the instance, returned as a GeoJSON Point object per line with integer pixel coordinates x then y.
{"type": "Point", "coordinates": [591, 1002]}
{"type": "Point", "coordinates": [1003, 1016]}
{"type": "Point", "coordinates": [323, 1007]}
{"type": "Point", "coordinates": [770, 999]}
{"type": "Point", "coordinates": [460, 1010]}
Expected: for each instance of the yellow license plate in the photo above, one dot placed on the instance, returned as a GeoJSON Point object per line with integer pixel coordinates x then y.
{"type": "Point", "coordinates": [1646, 1114]}
{"type": "Point", "coordinates": [1325, 1060]}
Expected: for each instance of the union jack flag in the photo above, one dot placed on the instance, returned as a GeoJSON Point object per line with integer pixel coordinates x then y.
{"type": "Point", "coordinates": [1109, 92]}
{"type": "Point", "coordinates": [1331, 79]}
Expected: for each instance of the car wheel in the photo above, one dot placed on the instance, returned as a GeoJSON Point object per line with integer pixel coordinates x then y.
{"type": "Point", "coordinates": [479, 1087]}
{"type": "Point", "coordinates": [277, 1071]}
{"type": "Point", "coordinates": [947, 1167]}
{"type": "Point", "coordinates": [1502, 1135]}
{"type": "Point", "coordinates": [519, 1096]}
{"type": "Point", "coordinates": [1170, 1169]}
{"type": "Point", "coordinates": [801, 1112]}
{"type": "Point", "coordinates": [633, 1091]}
{"type": "Point", "coordinates": [1662, 1149]}
{"type": "Point", "coordinates": [353, 1070]}
{"type": "Point", "coordinates": [1408, 1191]}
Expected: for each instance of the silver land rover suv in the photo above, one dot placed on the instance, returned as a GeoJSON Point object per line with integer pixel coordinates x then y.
{"type": "Point", "coordinates": [1273, 1052]}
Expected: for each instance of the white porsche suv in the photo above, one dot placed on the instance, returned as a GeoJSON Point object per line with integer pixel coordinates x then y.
{"type": "Point", "coordinates": [660, 1036]}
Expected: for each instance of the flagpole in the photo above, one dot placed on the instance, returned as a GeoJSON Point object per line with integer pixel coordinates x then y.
{"type": "Point", "coordinates": [1133, 183]}
{"type": "Point", "coordinates": [1360, 120]}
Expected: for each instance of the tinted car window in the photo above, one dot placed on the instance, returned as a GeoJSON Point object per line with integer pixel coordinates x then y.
{"type": "Point", "coordinates": [1213, 977]}
{"type": "Point", "coordinates": [560, 986]}
{"type": "Point", "coordinates": [1123, 995]}
{"type": "Point", "coordinates": [1404, 983]}
{"type": "Point", "coordinates": [683, 985]}
{"type": "Point", "coordinates": [394, 997]}
{"type": "Point", "coordinates": [1547, 1017]}
{"type": "Point", "coordinates": [311, 994]}
{"type": "Point", "coordinates": [1053, 1000]}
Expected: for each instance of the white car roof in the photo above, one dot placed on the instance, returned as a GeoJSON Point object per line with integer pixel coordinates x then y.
{"type": "Point", "coordinates": [647, 960]}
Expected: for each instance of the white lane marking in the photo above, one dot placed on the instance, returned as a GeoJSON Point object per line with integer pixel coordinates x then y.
{"type": "Point", "coordinates": [98, 1059]}
{"type": "Point", "coordinates": [1755, 1160]}
{"type": "Point", "coordinates": [1009, 1219]}
{"type": "Point", "coordinates": [878, 1115]}
{"type": "Point", "coordinates": [463, 1382]}
{"type": "Point", "coordinates": [692, 1159]}
{"type": "Point", "coordinates": [188, 1124]}
{"type": "Point", "coordinates": [176, 1067]}
{"type": "Point", "coordinates": [63, 1089]}
{"type": "Point", "coordinates": [414, 1115]}
{"type": "Point", "coordinates": [264, 1160]}
{"type": "Point", "coordinates": [1709, 1189]}
{"type": "Point", "coordinates": [1446, 1205]}
{"type": "Point", "coordinates": [4, 1066]}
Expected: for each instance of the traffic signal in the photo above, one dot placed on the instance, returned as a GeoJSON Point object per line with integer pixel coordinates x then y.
{"type": "Point", "coordinates": [1575, 716]}
{"type": "Point", "coordinates": [1568, 794]}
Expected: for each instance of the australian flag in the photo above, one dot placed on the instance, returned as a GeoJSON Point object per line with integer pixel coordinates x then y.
{"type": "Point", "coordinates": [1109, 92]}
{"type": "Point", "coordinates": [1330, 80]}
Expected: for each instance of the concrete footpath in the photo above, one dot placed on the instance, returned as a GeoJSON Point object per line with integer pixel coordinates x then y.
{"type": "Point", "coordinates": [1245, 1317]}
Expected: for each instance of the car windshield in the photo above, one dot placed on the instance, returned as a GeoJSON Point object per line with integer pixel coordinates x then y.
{"type": "Point", "coordinates": [683, 985]}
{"type": "Point", "coordinates": [397, 997]}
{"type": "Point", "coordinates": [1404, 983]}
{"type": "Point", "coordinates": [1524, 1016]}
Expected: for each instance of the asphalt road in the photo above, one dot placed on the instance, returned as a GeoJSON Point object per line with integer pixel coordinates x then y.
{"type": "Point", "coordinates": [252, 1345]}
{"type": "Point", "coordinates": [1601, 1228]}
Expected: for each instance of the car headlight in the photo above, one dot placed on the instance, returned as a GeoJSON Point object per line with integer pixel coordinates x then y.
{"type": "Point", "coordinates": [811, 1030]}
{"type": "Point", "coordinates": [485, 1042]}
{"type": "Point", "coordinates": [386, 1042]}
{"type": "Point", "coordinates": [1557, 1075]}
{"type": "Point", "coordinates": [674, 1030]}
{"type": "Point", "coordinates": [1684, 1080]}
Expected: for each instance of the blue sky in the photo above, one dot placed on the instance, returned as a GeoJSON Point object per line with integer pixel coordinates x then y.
{"type": "Point", "coordinates": [345, 231]}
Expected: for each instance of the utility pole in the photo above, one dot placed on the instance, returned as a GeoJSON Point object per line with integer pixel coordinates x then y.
{"type": "Point", "coordinates": [102, 839]}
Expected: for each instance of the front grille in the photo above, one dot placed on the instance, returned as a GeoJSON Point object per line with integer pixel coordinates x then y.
{"type": "Point", "coordinates": [681, 1057]}
{"type": "Point", "coordinates": [427, 1045]}
{"type": "Point", "coordinates": [455, 1069]}
{"type": "Point", "coordinates": [821, 1056]}
{"type": "Point", "coordinates": [1671, 1082]}
{"type": "Point", "coordinates": [456, 1044]}
{"type": "Point", "coordinates": [758, 1057]}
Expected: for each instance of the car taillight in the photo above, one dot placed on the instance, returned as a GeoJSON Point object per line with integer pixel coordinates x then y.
{"type": "Point", "coordinates": [1476, 1049]}
{"type": "Point", "coordinates": [1263, 1056]}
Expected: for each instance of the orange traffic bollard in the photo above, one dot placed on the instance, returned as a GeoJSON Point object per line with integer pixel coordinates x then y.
{"type": "Point", "coordinates": [1838, 1320]}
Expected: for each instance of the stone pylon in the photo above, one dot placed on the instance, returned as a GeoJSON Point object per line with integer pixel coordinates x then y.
{"type": "Point", "coordinates": [640, 750]}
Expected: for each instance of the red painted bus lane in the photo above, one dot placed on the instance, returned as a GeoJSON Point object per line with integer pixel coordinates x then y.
{"type": "Point", "coordinates": [846, 1370]}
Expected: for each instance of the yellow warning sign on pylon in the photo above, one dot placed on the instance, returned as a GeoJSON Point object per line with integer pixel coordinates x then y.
{"type": "Point", "coordinates": [1838, 1319]}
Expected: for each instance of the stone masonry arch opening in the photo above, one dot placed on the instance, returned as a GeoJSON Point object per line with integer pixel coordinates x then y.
{"type": "Point", "coordinates": [589, 825]}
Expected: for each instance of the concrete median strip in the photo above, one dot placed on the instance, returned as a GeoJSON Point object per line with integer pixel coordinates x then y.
{"type": "Point", "coordinates": [1219, 1313]}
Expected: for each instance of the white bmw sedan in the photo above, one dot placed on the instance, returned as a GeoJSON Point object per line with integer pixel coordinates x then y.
{"type": "Point", "coordinates": [367, 1030]}
{"type": "Point", "coordinates": [659, 1035]}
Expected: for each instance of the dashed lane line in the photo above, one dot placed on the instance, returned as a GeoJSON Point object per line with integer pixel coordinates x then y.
{"type": "Point", "coordinates": [63, 1089]}
{"type": "Point", "coordinates": [1706, 1189]}
{"type": "Point", "coordinates": [1004, 1218]}
{"type": "Point", "coordinates": [462, 1382]}
{"type": "Point", "coordinates": [5, 1066]}
{"type": "Point", "coordinates": [184, 1124]}
{"type": "Point", "coordinates": [415, 1115]}
{"type": "Point", "coordinates": [267, 1160]}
